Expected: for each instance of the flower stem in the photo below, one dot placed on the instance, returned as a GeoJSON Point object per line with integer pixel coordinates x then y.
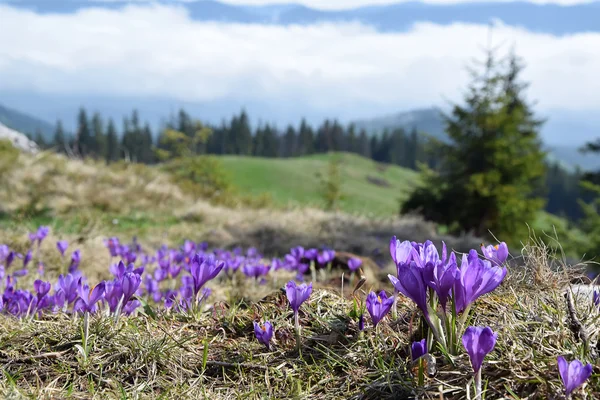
{"type": "Point", "coordinates": [86, 330]}
{"type": "Point", "coordinates": [297, 329]}
{"type": "Point", "coordinates": [395, 306]}
{"type": "Point", "coordinates": [478, 385]}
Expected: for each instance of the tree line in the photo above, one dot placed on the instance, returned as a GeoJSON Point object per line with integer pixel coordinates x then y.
{"type": "Point", "coordinates": [135, 141]}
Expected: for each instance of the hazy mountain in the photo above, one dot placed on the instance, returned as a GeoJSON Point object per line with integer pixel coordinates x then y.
{"type": "Point", "coordinates": [24, 123]}
{"type": "Point", "coordinates": [549, 18]}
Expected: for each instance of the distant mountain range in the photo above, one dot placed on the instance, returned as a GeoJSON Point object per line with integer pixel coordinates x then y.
{"type": "Point", "coordinates": [25, 123]}
{"type": "Point", "coordinates": [548, 18]}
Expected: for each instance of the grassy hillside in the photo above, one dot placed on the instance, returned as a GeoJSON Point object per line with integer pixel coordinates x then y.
{"type": "Point", "coordinates": [368, 187]}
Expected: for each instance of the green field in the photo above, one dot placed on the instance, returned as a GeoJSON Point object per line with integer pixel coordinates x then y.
{"type": "Point", "coordinates": [368, 187]}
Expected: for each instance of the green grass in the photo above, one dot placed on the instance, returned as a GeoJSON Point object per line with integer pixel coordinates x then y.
{"type": "Point", "coordinates": [296, 182]}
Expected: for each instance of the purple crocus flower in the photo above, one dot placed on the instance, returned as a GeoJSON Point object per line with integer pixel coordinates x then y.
{"type": "Point", "coordinates": [119, 270]}
{"type": "Point", "coordinates": [27, 259]}
{"type": "Point", "coordinates": [130, 282]}
{"type": "Point", "coordinates": [478, 342]}
{"type": "Point", "coordinates": [573, 374]}
{"type": "Point", "coordinates": [10, 258]}
{"type": "Point", "coordinates": [70, 286]}
{"type": "Point", "coordinates": [311, 254]}
{"type": "Point", "coordinates": [75, 260]}
{"type": "Point", "coordinates": [438, 274]}
{"type": "Point", "coordinates": [113, 246]}
{"type": "Point", "coordinates": [354, 263]}
{"type": "Point", "coordinates": [42, 232]}
{"type": "Point", "coordinates": [596, 298]}
{"type": "Point", "coordinates": [326, 257]}
{"type": "Point", "coordinates": [402, 252]}
{"type": "Point", "coordinates": [41, 288]}
{"type": "Point", "coordinates": [475, 278]}
{"type": "Point", "coordinates": [62, 245]}
{"type": "Point", "coordinates": [4, 252]}
{"type": "Point", "coordinates": [297, 252]}
{"type": "Point", "coordinates": [418, 349]}
{"type": "Point", "coordinates": [378, 306]}
{"type": "Point", "coordinates": [410, 283]}
{"type": "Point", "coordinates": [203, 269]}
{"type": "Point", "coordinates": [131, 306]}
{"type": "Point", "coordinates": [297, 294]}
{"type": "Point", "coordinates": [496, 254]}
{"type": "Point", "coordinates": [255, 270]}
{"type": "Point", "coordinates": [86, 302]}
{"type": "Point", "coordinates": [264, 333]}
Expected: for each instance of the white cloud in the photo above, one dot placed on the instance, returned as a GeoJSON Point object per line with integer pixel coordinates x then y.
{"type": "Point", "coordinates": [160, 51]}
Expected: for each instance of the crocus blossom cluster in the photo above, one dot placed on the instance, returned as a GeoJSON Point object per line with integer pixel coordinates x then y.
{"type": "Point", "coordinates": [431, 280]}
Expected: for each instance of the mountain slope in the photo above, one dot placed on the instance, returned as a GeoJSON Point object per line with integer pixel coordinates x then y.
{"type": "Point", "coordinates": [368, 187]}
{"type": "Point", "coordinates": [24, 123]}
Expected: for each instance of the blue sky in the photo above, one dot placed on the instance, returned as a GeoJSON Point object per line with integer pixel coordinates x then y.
{"type": "Point", "coordinates": [337, 68]}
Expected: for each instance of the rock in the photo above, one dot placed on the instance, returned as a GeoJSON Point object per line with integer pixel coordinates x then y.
{"type": "Point", "coordinates": [18, 140]}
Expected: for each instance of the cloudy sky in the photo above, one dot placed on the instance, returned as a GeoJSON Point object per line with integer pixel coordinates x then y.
{"type": "Point", "coordinates": [346, 67]}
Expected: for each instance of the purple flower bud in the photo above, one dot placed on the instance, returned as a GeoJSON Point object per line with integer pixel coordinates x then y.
{"type": "Point", "coordinates": [130, 284]}
{"type": "Point", "coordinates": [75, 260]}
{"type": "Point", "coordinates": [573, 374]}
{"type": "Point", "coordinates": [297, 294]}
{"type": "Point", "coordinates": [418, 349]}
{"type": "Point", "coordinates": [478, 342]}
{"type": "Point", "coordinates": [27, 259]}
{"type": "Point", "coordinates": [264, 333]}
{"type": "Point", "coordinates": [378, 306]}
{"type": "Point", "coordinates": [354, 263]}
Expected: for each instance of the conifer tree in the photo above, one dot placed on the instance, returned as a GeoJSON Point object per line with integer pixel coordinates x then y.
{"type": "Point", "coordinates": [59, 140]}
{"type": "Point", "coordinates": [83, 138]}
{"type": "Point", "coordinates": [98, 140]}
{"type": "Point", "coordinates": [112, 143]}
{"type": "Point", "coordinates": [493, 164]}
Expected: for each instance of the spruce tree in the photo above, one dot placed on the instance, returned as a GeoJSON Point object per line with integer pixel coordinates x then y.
{"type": "Point", "coordinates": [59, 140]}
{"type": "Point", "coordinates": [493, 163]}
{"type": "Point", "coordinates": [112, 143]}
{"type": "Point", "coordinates": [98, 141]}
{"type": "Point", "coordinates": [84, 136]}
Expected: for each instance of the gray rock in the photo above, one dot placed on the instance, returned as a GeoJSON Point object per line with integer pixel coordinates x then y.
{"type": "Point", "coordinates": [19, 140]}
